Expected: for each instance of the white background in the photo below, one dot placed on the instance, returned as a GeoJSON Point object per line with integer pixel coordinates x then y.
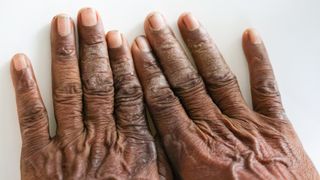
{"type": "Point", "coordinates": [290, 29]}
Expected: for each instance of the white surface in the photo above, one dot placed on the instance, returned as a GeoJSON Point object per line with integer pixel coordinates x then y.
{"type": "Point", "coordinates": [290, 29]}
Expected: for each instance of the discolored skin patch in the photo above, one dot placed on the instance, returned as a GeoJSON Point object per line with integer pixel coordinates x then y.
{"type": "Point", "coordinates": [102, 131]}
{"type": "Point", "coordinates": [206, 128]}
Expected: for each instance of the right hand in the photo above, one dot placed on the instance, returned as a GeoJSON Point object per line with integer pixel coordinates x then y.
{"type": "Point", "coordinates": [207, 129]}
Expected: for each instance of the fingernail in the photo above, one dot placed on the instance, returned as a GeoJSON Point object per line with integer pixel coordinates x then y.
{"type": "Point", "coordinates": [143, 44]}
{"type": "Point", "coordinates": [114, 39]}
{"type": "Point", "coordinates": [254, 36]}
{"type": "Point", "coordinates": [156, 21]}
{"type": "Point", "coordinates": [88, 17]}
{"type": "Point", "coordinates": [19, 62]}
{"type": "Point", "coordinates": [63, 25]}
{"type": "Point", "coordinates": [191, 22]}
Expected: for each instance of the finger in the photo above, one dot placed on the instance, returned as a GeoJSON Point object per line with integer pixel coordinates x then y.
{"type": "Point", "coordinates": [129, 107]}
{"type": "Point", "coordinates": [32, 114]}
{"type": "Point", "coordinates": [95, 73]}
{"type": "Point", "coordinates": [265, 94]}
{"type": "Point", "coordinates": [67, 90]}
{"type": "Point", "coordinates": [165, 108]}
{"type": "Point", "coordinates": [221, 83]}
{"type": "Point", "coordinates": [183, 78]}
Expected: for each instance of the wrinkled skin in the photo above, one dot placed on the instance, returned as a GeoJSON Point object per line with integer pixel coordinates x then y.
{"type": "Point", "coordinates": [102, 131]}
{"type": "Point", "coordinates": [206, 128]}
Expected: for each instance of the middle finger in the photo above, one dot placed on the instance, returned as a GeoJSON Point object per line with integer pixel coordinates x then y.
{"type": "Point", "coordinates": [96, 76]}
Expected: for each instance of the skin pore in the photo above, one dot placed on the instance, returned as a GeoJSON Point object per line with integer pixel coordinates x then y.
{"type": "Point", "coordinates": [205, 129]}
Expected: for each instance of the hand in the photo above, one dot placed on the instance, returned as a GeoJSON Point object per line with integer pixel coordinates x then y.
{"type": "Point", "coordinates": [207, 129]}
{"type": "Point", "coordinates": [101, 126]}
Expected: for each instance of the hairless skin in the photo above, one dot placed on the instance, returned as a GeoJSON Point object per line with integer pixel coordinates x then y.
{"type": "Point", "coordinates": [206, 128]}
{"type": "Point", "coordinates": [102, 131]}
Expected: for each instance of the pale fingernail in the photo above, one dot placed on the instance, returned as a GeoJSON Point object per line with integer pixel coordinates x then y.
{"type": "Point", "coordinates": [63, 25]}
{"type": "Point", "coordinates": [114, 39]}
{"type": "Point", "coordinates": [143, 44]}
{"type": "Point", "coordinates": [191, 22]}
{"type": "Point", "coordinates": [88, 17]}
{"type": "Point", "coordinates": [254, 36]}
{"type": "Point", "coordinates": [20, 62]}
{"type": "Point", "coordinates": [156, 21]}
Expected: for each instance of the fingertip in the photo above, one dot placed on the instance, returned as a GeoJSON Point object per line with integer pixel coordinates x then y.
{"type": "Point", "coordinates": [88, 16]}
{"type": "Point", "coordinates": [251, 36]}
{"type": "Point", "coordinates": [62, 24]}
{"type": "Point", "coordinates": [114, 39]}
{"type": "Point", "coordinates": [134, 47]}
{"type": "Point", "coordinates": [182, 15]}
{"type": "Point", "coordinates": [155, 21]}
{"type": "Point", "coordinates": [245, 35]}
{"type": "Point", "coordinates": [141, 53]}
{"type": "Point", "coordinates": [19, 62]}
{"type": "Point", "coordinates": [188, 21]}
{"type": "Point", "coordinates": [152, 13]}
{"type": "Point", "coordinates": [142, 44]}
{"type": "Point", "coordinates": [135, 51]}
{"type": "Point", "coordinates": [118, 47]}
{"type": "Point", "coordinates": [180, 19]}
{"type": "Point", "coordinates": [21, 72]}
{"type": "Point", "coordinates": [62, 15]}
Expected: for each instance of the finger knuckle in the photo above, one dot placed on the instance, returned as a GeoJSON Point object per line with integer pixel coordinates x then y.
{"type": "Point", "coordinates": [128, 90]}
{"type": "Point", "coordinates": [202, 47]}
{"type": "Point", "coordinates": [32, 111]}
{"type": "Point", "coordinates": [93, 37]}
{"type": "Point", "coordinates": [161, 98]}
{"type": "Point", "coordinates": [259, 58]}
{"type": "Point", "coordinates": [150, 64]}
{"type": "Point", "coordinates": [66, 92]}
{"type": "Point", "coordinates": [121, 67]}
{"type": "Point", "coordinates": [99, 83]}
{"type": "Point", "coordinates": [222, 79]}
{"type": "Point", "coordinates": [213, 68]}
{"type": "Point", "coordinates": [92, 52]}
{"type": "Point", "coordinates": [266, 87]}
{"type": "Point", "coordinates": [186, 79]}
{"type": "Point", "coordinates": [66, 51]}
{"type": "Point", "coordinates": [169, 44]}
{"type": "Point", "coordinates": [158, 94]}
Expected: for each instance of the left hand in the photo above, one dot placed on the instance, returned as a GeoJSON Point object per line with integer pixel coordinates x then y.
{"type": "Point", "coordinates": [102, 131]}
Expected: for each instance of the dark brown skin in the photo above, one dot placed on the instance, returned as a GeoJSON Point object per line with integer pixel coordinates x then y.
{"type": "Point", "coordinates": [207, 129]}
{"type": "Point", "coordinates": [102, 131]}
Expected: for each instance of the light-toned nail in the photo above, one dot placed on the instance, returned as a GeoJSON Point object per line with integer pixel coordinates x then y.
{"type": "Point", "coordinates": [254, 36]}
{"type": "Point", "coordinates": [20, 62]}
{"type": "Point", "coordinates": [191, 22]}
{"type": "Point", "coordinates": [143, 44]}
{"type": "Point", "coordinates": [88, 17]}
{"type": "Point", "coordinates": [156, 21]}
{"type": "Point", "coordinates": [114, 39]}
{"type": "Point", "coordinates": [63, 25]}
